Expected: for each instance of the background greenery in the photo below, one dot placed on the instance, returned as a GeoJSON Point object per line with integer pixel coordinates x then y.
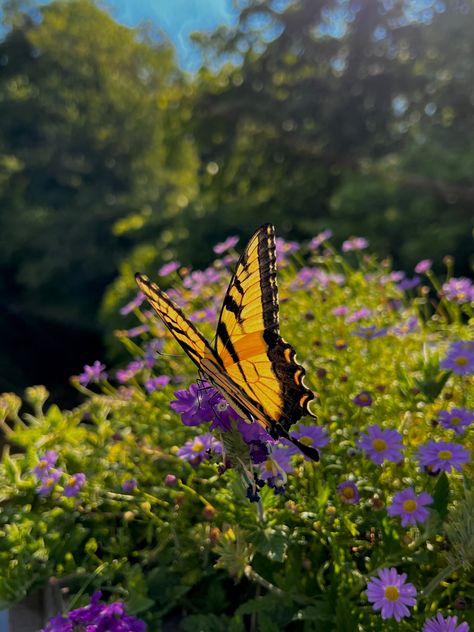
{"type": "Point", "coordinates": [348, 114]}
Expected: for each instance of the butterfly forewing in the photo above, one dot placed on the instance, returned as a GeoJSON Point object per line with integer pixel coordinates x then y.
{"type": "Point", "coordinates": [248, 343]}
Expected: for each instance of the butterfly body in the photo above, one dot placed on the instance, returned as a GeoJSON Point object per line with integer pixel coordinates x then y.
{"type": "Point", "coordinates": [250, 364]}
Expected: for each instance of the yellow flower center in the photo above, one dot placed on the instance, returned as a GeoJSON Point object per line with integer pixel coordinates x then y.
{"type": "Point", "coordinates": [455, 421]}
{"type": "Point", "coordinates": [461, 360]}
{"type": "Point", "coordinates": [348, 492]}
{"type": "Point", "coordinates": [340, 342]}
{"type": "Point", "coordinates": [49, 482]}
{"type": "Point", "coordinates": [42, 464]}
{"type": "Point", "coordinates": [409, 505]}
{"type": "Point", "coordinates": [445, 454]}
{"type": "Point", "coordinates": [198, 447]}
{"type": "Point", "coordinates": [72, 481]}
{"type": "Point", "coordinates": [392, 593]}
{"type": "Point", "coordinates": [306, 441]}
{"type": "Point", "coordinates": [269, 465]}
{"type": "Point", "coordinates": [379, 444]}
{"type": "Point", "coordinates": [363, 398]}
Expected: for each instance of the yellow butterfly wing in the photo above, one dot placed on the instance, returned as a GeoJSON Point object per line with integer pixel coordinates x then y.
{"type": "Point", "coordinates": [248, 344]}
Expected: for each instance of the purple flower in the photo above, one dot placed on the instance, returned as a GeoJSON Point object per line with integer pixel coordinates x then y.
{"type": "Point", "coordinates": [223, 413]}
{"type": "Point", "coordinates": [96, 617]}
{"type": "Point", "coordinates": [354, 243]}
{"type": "Point", "coordinates": [460, 358]}
{"type": "Point", "coordinates": [207, 315]}
{"type": "Point", "coordinates": [341, 310]}
{"type": "Point", "coordinates": [358, 315]}
{"type": "Point", "coordinates": [129, 485]}
{"type": "Point", "coordinates": [320, 239]}
{"type": "Point", "coordinates": [253, 432]}
{"type": "Point", "coordinates": [381, 445]}
{"type": "Point", "coordinates": [169, 268]}
{"type": "Point", "coordinates": [46, 462]}
{"type": "Point", "coordinates": [313, 436]}
{"type": "Point", "coordinates": [276, 465]}
{"type": "Point", "coordinates": [456, 419]}
{"type": "Point", "coordinates": [129, 372]}
{"type": "Point", "coordinates": [441, 455]}
{"type": "Point", "coordinates": [93, 373]}
{"type": "Point", "coordinates": [458, 290]}
{"type": "Point", "coordinates": [405, 328]}
{"type": "Point", "coordinates": [284, 248]}
{"type": "Point", "coordinates": [155, 383]}
{"type": "Point", "coordinates": [133, 332]}
{"type": "Point", "coordinates": [74, 484]}
{"type": "Point", "coordinates": [193, 404]}
{"type": "Point", "coordinates": [408, 284]}
{"type": "Point", "coordinates": [391, 594]}
{"type": "Point", "coordinates": [410, 507]}
{"type": "Point", "coordinates": [134, 303]}
{"type": "Point", "coordinates": [199, 448]}
{"type": "Point", "coordinates": [423, 266]}
{"type": "Point", "coordinates": [394, 277]}
{"type": "Point", "coordinates": [440, 624]}
{"type": "Point", "coordinates": [48, 482]}
{"type": "Point", "coordinates": [171, 480]}
{"type": "Point", "coordinates": [199, 280]}
{"type": "Point", "coordinates": [363, 399]}
{"type": "Point", "coordinates": [229, 243]}
{"type": "Point", "coordinates": [370, 332]}
{"type": "Point", "coordinates": [348, 492]}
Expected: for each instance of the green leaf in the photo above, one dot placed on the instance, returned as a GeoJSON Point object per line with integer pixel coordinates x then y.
{"type": "Point", "coordinates": [441, 495]}
{"type": "Point", "coordinates": [272, 542]}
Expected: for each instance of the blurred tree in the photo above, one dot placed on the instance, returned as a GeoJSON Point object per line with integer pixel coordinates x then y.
{"type": "Point", "coordinates": [92, 146]}
{"type": "Point", "coordinates": [342, 113]}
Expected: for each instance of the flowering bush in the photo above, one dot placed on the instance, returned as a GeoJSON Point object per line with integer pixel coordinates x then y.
{"type": "Point", "coordinates": [156, 493]}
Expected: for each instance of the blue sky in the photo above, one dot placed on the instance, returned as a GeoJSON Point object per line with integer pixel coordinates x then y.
{"type": "Point", "coordinates": [178, 18]}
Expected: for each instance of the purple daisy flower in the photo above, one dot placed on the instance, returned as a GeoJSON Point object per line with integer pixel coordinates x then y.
{"type": "Point", "coordinates": [96, 616]}
{"type": "Point", "coordinates": [277, 465]}
{"type": "Point", "coordinates": [253, 432]}
{"type": "Point", "coordinates": [363, 399]}
{"type": "Point", "coordinates": [408, 284]}
{"type": "Point", "coordinates": [405, 328]}
{"type": "Point", "coordinates": [46, 462]}
{"type": "Point", "coordinates": [284, 248]}
{"type": "Point", "coordinates": [381, 445]}
{"type": "Point", "coordinates": [199, 448]}
{"type": "Point", "coordinates": [155, 383]}
{"type": "Point", "coordinates": [48, 482]}
{"type": "Point", "coordinates": [410, 507]}
{"type": "Point", "coordinates": [74, 484]}
{"type": "Point", "coordinates": [134, 331]}
{"type": "Point", "coordinates": [441, 455]}
{"type": "Point", "coordinates": [229, 243]}
{"type": "Point", "coordinates": [313, 436]}
{"type": "Point", "coordinates": [370, 332]}
{"type": "Point", "coordinates": [134, 303]}
{"type": "Point", "coordinates": [423, 266]}
{"type": "Point", "coordinates": [223, 413]}
{"type": "Point", "coordinates": [354, 243]}
{"type": "Point", "coordinates": [129, 372]}
{"type": "Point", "coordinates": [320, 239]}
{"type": "Point", "coordinates": [207, 315]}
{"type": "Point", "coordinates": [390, 593]}
{"type": "Point", "coordinates": [92, 373]}
{"type": "Point", "coordinates": [169, 268]}
{"type": "Point", "coordinates": [358, 315]}
{"type": "Point", "coordinates": [193, 404]}
{"type": "Point", "coordinates": [458, 290]}
{"type": "Point", "coordinates": [340, 310]}
{"type": "Point", "coordinates": [129, 485]}
{"type": "Point", "coordinates": [348, 492]}
{"type": "Point", "coordinates": [456, 419]}
{"type": "Point", "coordinates": [440, 624]}
{"type": "Point", "coordinates": [460, 358]}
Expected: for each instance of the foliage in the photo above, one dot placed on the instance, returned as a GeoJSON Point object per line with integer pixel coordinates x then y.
{"type": "Point", "coordinates": [180, 542]}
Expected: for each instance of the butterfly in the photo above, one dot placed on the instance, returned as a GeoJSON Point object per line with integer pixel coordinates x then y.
{"type": "Point", "coordinates": [249, 363]}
